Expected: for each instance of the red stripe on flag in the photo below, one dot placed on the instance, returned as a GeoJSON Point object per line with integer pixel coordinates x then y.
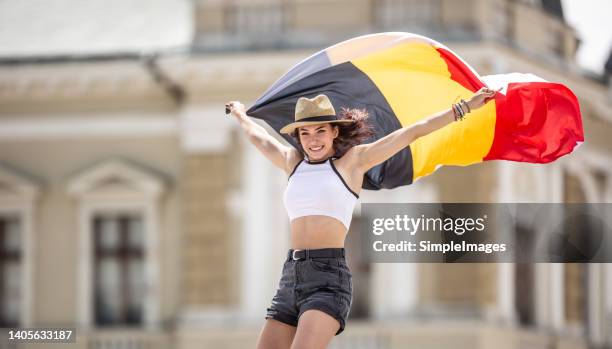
{"type": "Point", "coordinates": [459, 71]}
{"type": "Point", "coordinates": [536, 122]}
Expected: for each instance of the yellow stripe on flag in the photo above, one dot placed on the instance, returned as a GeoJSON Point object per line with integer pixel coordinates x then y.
{"type": "Point", "coordinates": [416, 83]}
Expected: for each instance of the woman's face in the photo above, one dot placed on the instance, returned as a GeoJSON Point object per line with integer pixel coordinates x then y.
{"type": "Point", "coordinates": [318, 140]}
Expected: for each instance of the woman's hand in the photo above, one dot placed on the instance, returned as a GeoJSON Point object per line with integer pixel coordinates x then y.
{"type": "Point", "coordinates": [235, 108]}
{"type": "Point", "coordinates": [481, 98]}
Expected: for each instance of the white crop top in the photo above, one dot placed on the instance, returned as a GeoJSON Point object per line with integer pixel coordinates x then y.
{"type": "Point", "coordinates": [317, 188]}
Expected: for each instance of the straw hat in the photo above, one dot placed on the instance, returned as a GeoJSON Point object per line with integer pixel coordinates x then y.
{"type": "Point", "coordinates": [310, 111]}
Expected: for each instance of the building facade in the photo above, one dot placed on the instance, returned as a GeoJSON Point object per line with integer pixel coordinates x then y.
{"type": "Point", "coordinates": [134, 210]}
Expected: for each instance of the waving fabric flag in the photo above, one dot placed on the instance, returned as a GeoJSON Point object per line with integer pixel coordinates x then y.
{"type": "Point", "coordinates": [401, 78]}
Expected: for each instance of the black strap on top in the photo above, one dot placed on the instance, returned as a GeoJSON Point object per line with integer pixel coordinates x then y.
{"type": "Point", "coordinates": [318, 253]}
{"type": "Point", "coordinates": [295, 168]}
{"type": "Point", "coordinates": [331, 163]}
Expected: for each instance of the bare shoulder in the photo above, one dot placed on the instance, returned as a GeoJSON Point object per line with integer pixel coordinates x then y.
{"type": "Point", "coordinates": [350, 170]}
{"type": "Point", "coordinates": [294, 156]}
{"type": "Point", "coordinates": [351, 161]}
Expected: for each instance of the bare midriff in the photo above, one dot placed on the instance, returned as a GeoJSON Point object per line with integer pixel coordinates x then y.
{"type": "Point", "coordinates": [316, 231]}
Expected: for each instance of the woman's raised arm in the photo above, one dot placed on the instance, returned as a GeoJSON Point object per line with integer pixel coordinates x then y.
{"type": "Point", "coordinates": [274, 150]}
{"type": "Point", "coordinates": [372, 154]}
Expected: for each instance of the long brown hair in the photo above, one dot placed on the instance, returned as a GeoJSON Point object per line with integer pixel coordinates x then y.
{"type": "Point", "coordinates": [349, 134]}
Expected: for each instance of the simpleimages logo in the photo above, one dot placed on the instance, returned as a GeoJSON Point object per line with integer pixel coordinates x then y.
{"type": "Point", "coordinates": [412, 225]}
{"type": "Point", "coordinates": [487, 232]}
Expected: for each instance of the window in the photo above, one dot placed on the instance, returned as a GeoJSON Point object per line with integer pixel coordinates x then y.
{"type": "Point", "coordinates": [117, 202]}
{"type": "Point", "coordinates": [575, 275]}
{"type": "Point", "coordinates": [555, 38]}
{"type": "Point", "coordinates": [118, 269]}
{"type": "Point", "coordinates": [18, 194]}
{"type": "Point", "coordinates": [524, 275]}
{"type": "Point", "coordinates": [502, 20]}
{"type": "Point", "coordinates": [255, 18]}
{"type": "Point", "coordinates": [10, 271]}
{"type": "Point", "coordinates": [415, 15]}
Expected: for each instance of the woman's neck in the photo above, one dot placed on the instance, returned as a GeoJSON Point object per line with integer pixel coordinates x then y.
{"type": "Point", "coordinates": [325, 158]}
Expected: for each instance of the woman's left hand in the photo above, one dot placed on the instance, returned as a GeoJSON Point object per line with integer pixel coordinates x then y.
{"type": "Point", "coordinates": [481, 98]}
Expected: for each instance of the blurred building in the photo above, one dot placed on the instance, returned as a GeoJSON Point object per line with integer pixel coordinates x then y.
{"type": "Point", "coordinates": [132, 208]}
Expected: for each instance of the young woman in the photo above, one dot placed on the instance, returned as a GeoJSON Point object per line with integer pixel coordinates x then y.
{"type": "Point", "coordinates": [325, 178]}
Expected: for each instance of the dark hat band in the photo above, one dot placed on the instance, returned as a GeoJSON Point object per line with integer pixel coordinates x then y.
{"type": "Point", "coordinates": [319, 118]}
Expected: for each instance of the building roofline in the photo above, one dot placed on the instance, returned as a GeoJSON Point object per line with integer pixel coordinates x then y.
{"type": "Point", "coordinates": [91, 57]}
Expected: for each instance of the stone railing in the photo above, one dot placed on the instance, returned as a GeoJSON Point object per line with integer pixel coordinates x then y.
{"type": "Point", "coordinates": [290, 24]}
{"type": "Point", "coordinates": [124, 339]}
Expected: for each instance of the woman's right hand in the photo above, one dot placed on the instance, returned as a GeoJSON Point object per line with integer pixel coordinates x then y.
{"type": "Point", "coordinates": [481, 97]}
{"type": "Point", "coordinates": [235, 107]}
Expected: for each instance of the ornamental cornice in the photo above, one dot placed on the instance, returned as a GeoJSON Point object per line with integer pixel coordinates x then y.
{"type": "Point", "coordinates": [132, 79]}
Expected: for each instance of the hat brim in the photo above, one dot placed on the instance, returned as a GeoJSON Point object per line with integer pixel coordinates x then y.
{"type": "Point", "coordinates": [292, 126]}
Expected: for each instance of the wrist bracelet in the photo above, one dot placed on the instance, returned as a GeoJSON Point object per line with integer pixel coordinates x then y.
{"type": "Point", "coordinates": [462, 114]}
{"type": "Point", "coordinates": [467, 106]}
{"type": "Point", "coordinates": [458, 111]}
{"type": "Point", "coordinates": [461, 111]}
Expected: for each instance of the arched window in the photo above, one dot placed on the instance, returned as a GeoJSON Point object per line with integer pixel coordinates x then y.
{"type": "Point", "coordinates": [117, 204]}
{"type": "Point", "coordinates": [18, 193]}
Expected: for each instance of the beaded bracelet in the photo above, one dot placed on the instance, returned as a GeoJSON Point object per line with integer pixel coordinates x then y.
{"type": "Point", "coordinates": [467, 106]}
{"type": "Point", "coordinates": [458, 111]}
{"type": "Point", "coordinates": [455, 112]}
{"type": "Point", "coordinates": [461, 111]}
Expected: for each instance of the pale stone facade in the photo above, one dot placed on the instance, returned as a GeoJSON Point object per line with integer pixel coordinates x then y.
{"type": "Point", "coordinates": [83, 136]}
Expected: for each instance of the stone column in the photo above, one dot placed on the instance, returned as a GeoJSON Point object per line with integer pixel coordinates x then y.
{"type": "Point", "coordinates": [264, 232]}
{"type": "Point", "coordinates": [607, 273]}
{"type": "Point", "coordinates": [607, 292]}
{"type": "Point", "coordinates": [395, 287]}
{"type": "Point", "coordinates": [555, 295]}
{"type": "Point", "coordinates": [596, 310]}
{"type": "Point", "coordinates": [208, 272]}
{"type": "Point", "coordinates": [506, 281]}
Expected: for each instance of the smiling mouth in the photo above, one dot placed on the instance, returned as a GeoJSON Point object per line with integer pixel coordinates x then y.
{"type": "Point", "coordinates": [316, 148]}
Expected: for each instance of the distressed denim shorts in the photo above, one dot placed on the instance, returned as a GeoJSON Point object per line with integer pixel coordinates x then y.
{"type": "Point", "coordinates": [324, 284]}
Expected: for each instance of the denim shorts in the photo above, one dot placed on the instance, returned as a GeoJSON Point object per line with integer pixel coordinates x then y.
{"type": "Point", "coordinates": [324, 284]}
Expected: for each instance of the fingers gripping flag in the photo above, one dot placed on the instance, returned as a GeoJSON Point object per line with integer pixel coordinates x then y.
{"type": "Point", "coordinates": [401, 78]}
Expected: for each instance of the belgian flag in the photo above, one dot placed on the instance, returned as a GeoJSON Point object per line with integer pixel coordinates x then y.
{"type": "Point", "coordinates": [401, 78]}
